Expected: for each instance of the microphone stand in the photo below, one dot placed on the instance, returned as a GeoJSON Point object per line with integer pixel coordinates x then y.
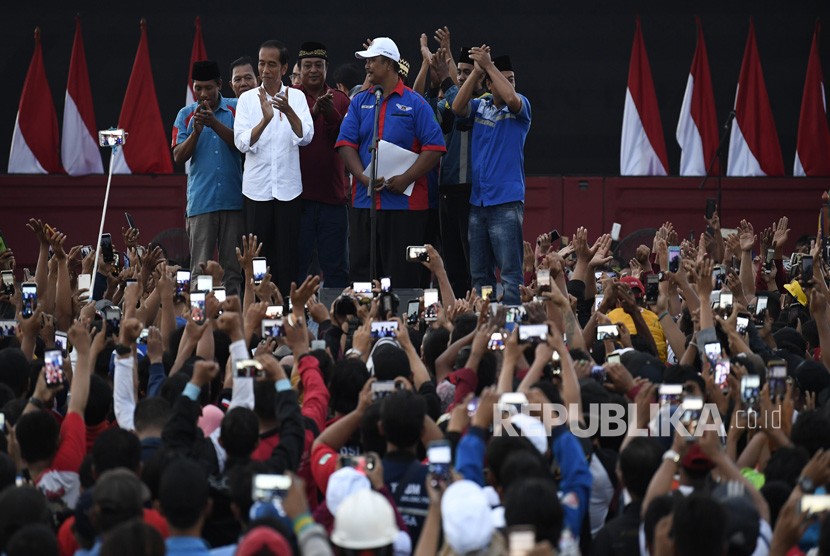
{"type": "Point", "coordinates": [373, 174]}
{"type": "Point", "coordinates": [719, 157]}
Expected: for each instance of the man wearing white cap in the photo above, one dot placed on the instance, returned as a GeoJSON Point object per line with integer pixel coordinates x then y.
{"type": "Point", "coordinates": [406, 121]}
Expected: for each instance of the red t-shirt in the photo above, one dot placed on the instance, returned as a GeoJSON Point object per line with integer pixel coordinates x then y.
{"type": "Point", "coordinates": [68, 544]}
{"type": "Point", "coordinates": [61, 480]}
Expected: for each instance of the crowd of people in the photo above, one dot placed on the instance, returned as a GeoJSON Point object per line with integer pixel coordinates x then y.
{"type": "Point", "coordinates": [452, 146]}
{"type": "Point", "coordinates": [674, 404]}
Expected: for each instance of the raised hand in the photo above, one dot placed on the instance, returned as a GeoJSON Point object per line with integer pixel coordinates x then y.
{"type": "Point", "coordinates": [780, 233]}
{"type": "Point", "coordinates": [746, 235]}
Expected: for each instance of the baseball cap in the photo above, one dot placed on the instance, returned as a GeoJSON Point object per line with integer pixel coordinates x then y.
{"type": "Point", "coordinates": [696, 460]}
{"type": "Point", "coordinates": [634, 283]}
{"type": "Point", "coordinates": [261, 540]}
{"type": "Point", "coordinates": [381, 46]}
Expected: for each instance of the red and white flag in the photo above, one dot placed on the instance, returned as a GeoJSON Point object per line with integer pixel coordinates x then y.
{"type": "Point", "coordinates": [642, 148]}
{"type": "Point", "coordinates": [812, 152]}
{"type": "Point", "coordinates": [197, 54]}
{"type": "Point", "coordinates": [697, 128]}
{"type": "Point", "coordinates": [80, 154]}
{"type": "Point", "coordinates": [147, 150]}
{"type": "Point", "coordinates": [753, 143]}
{"type": "Point", "coordinates": [35, 144]}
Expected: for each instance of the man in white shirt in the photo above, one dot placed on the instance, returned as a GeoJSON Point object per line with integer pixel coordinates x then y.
{"type": "Point", "coordinates": [272, 123]}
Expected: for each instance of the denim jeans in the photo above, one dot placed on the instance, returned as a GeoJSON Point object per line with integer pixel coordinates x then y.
{"type": "Point", "coordinates": [496, 241]}
{"type": "Point", "coordinates": [325, 228]}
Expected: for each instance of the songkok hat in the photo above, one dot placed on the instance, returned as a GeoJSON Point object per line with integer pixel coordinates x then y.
{"type": "Point", "coordinates": [206, 70]}
{"type": "Point", "coordinates": [464, 56]}
{"type": "Point", "coordinates": [502, 63]}
{"type": "Point", "coordinates": [313, 50]}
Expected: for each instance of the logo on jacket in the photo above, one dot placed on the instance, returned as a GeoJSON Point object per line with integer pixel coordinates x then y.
{"type": "Point", "coordinates": [403, 108]}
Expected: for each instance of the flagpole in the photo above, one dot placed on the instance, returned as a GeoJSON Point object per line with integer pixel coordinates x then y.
{"type": "Point", "coordinates": [112, 138]}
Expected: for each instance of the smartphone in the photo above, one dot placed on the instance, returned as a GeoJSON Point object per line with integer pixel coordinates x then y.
{"type": "Point", "coordinates": [670, 394]}
{"type": "Point", "coordinates": [608, 332]}
{"type": "Point", "coordinates": [439, 455]}
{"type": "Point", "coordinates": [273, 311]}
{"type": "Point", "coordinates": [204, 283]}
{"type": "Point", "coordinates": [770, 256]}
{"type": "Point", "coordinates": [814, 504]}
{"type": "Point", "coordinates": [220, 293]}
{"type": "Point", "coordinates": [268, 488]}
{"type": "Point", "coordinates": [385, 329]}
{"type": "Point", "coordinates": [8, 282]}
{"type": "Point", "coordinates": [554, 235]}
{"type": "Point", "coordinates": [598, 301]}
{"type": "Point", "coordinates": [543, 279]}
{"type": "Point", "coordinates": [713, 351]}
{"type": "Point", "coordinates": [318, 344]}
{"type": "Point", "coordinates": [106, 248]}
{"type": "Point", "coordinates": [806, 268]}
{"type": "Point", "coordinates": [674, 258]}
{"type": "Point", "coordinates": [142, 338]}
{"type": "Point", "coordinates": [599, 373]}
{"type": "Point", "coordinates": [260, 269]}
{"type": "Point", "coordinates": [652, 288]}
{"type": "Point", "coordinates": [486, 292]}
{"type": "Point", "coordinates": [722, 367]}
{"type": "Point", "coordinates": [777, 378]}
{"type": "Point", "coordinates": [112, 315]}
{"type": "Point", "coordinates": [760, 309]}
{"type": "Point", "coordinates": [383, 388]}
{"type": "Point", "coordinates": [385, 284]}
{"type": "Point", "coordinates": [691, 409]}
{"type": "Point", "coordinates": [182, 282]}
{"type": "Point", "coordinates": [272, 328]}
{"type": "Point", "coordinates": [556, 363]}
{"type": "Point", "coordinates": [514, 315]}
{"type": "Point", "coordinates": [197, 307]}
{"type": "Point", "coordinates": [496, 342]}
{"type": "Point", "coordinates": [719, 277]}
{"type": "Point", "coordinates": [29, 290]}
{"type": "Point", "coordinates": [613, 357]}
{"type": "Point", "coordinates": [413, 308]}
{"type": "Point", "coordinates": [53, 368]}
{"type": "Point", "coordinates": [249, 368]}
{"type": "Point", "coordinates": [7, 328]}
{"type": "Point", "coordinates": [742, 323]}
{"type": "Point", "coordinates": [61, 341]}
{"type": "Point", "coordinates": [417, 254]}
{"type": "Point", "coordinates": [750, 389]}
{"type": "Point", "coordinates": [85, 283]}
{"type": "Point", "coordinates": [362, 290]}
{"type": "Point", "coordinates": [533, 332]}
{"type": "Point", "coordinates": [362, 464]}
{"type": "Point", "coordinates": [521, 540]}
{"type": "Point", "coordinates": [616, 228]}
{"type": "Point", "coordinates": [725, 301]}
{"type": "Point", "coordinates": [130, 221]}
{"type": "Point", "coordinates": [711, 207]}
{"type": "Point", "coordinates": [430, 305]}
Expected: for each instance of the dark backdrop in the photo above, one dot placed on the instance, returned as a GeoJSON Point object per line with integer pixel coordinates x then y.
{"type": "Point", "coordinates": [571, 58]}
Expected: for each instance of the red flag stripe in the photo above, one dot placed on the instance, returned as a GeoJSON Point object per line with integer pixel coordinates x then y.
{"type": "Point", "coordinates": [703, 101]}
{"type": "Point", "coordinates": [813, 147]}
{"type": "Point", "coordinates": [78, 82]}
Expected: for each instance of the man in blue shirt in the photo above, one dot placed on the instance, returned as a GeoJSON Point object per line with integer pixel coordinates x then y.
{"type": "Point", "coordinates": [203, 135]}
{"type": "Point", "coordinates": [500, 127]}
{"type": "Point", "coordinates": [406, 121]}
{"type": "Point", "coordinates": [183, 499]}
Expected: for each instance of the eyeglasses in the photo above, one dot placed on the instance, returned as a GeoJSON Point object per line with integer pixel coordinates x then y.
{"type": "Point", "coordinates": [295, 76]}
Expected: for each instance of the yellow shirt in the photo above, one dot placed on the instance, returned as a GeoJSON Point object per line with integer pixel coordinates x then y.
{"type": "Point", "coordinates": [652, 321]}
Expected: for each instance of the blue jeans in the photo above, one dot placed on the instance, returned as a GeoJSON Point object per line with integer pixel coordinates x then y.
{"type": "Point", "coordinates": [496, 241]}
{"type": "Point", "coordinates": [326, 228]}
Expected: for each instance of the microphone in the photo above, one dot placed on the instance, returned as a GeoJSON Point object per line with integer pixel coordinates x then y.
{"type": "Point", "coordinates": [378, 93]}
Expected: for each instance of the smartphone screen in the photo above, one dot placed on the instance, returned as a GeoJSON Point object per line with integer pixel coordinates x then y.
{"type": "Point", "coordinates": [725, 301]}
{"type": "Point", "coordinates": [652, 288]}
{"type": "Point", "coordinates": [598, 301]}
{"type": "Point", "coordinates": [533, 332]}
{"type": "Point", "coordinates": [385, 284]}
{"type": "Point", "coordinates": [777, 378]}
{"type": "Point", "coordinates": [674, 258]}
{"type": "Point", "coordinates": [274, 311]}
{"type": "Point", "coordinates": [260, 269]}
{"type": "Point", "coordinates": [616, 228]}
{"type": "Point", "coordinates": [53, 368]}
{"type": "Point", "coordinates": [806, 268]}
{"type": "Point", "coordinates": [608, 332]}
{"type": "Point", "coordinates": [711, 207]}
{"type": "Point", "coordinates": [130, 221]}
{"type": "Point", "coordinates": [182, 282]}
{"type": "Point", "coordinates": [742, 323]}
{"type": "Point", "coordinates": [713, 351]}
{"type": "Point", "coordinates": [430, 297]}
{"type": "Point", "coordinates": [412, 310]}
{"type": "Point", "coordinates": [750, 389]}
{"type": "Point", "coordinates": [272, 328]}
{"type": "Point", "coordinates": [385, 329]}
{"type": "Point", "coordinates": [112, 315]}
{"type": "Point", "coordinates": [486, 292]}
{"type": "Point", "coordinates": [439, 454]}
{"type": "Point", "coordinates": [496, 342]}
{"type": "Point", "coordinates": [267, 488]}
{"type": "Point", "coordinates": [417, 253]}
{"type": "Point", "coordinates": [670, 394]}
{"type": "Point", "coordinates": [761, 306]}
{"type": "Point", "coordinates": [197, 307]}
{"type": "Point", "coordinates": [219, 293]}
{"type": "Point", "coordinates": [61, 341]}
{"type": "Point", "coordinates": [204, 282]}
{"type": "Point", "coordinates": [106, 248]}
{"type": "Point", "coordinates": [722, 367]}
{"type": "Point", "coordinates": [29, 290]}
{"type": "Point", "coordinates": [383, 388]}
{"type": "Point", "coordinates": [85, 282]}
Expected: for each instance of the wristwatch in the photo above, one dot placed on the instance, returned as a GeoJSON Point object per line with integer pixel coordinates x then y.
{"type": "Point", "coordinates": [671, 455]}
{"type": "Point", "coordinates": [121, 349]}
{"type": "Point", "coordinates": [353, 353]}
{"type": "Point", "coordinates": [806, 485]}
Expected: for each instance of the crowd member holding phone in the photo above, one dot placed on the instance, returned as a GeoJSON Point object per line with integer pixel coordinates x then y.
{"type": "Point", "coordinates": [324, 225]}
{"type": "Point", "coordinates": [407, 122]}
{"type": "Point", "coordinates": [500, 126]}
{"type": "Point", "coordinates": [203, 136]}
{"type": "Point", "coordinates": [273, 121]}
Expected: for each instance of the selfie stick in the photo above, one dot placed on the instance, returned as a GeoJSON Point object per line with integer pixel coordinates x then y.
{"type": "Point", "coordinates": [112, 138]}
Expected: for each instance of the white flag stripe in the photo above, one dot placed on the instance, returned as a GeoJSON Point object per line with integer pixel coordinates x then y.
{"type": "Point", "coordinates": [119, 163]}
{"type": "Point", "coordinates": [798, 169]}
{"type": "Point", "coordinates": [692, 158]}
{"type": "Point", "coordinates": [21, 158]}
{"type": "Point", "coordinates": [637, 156]}
{"type": "Point", "coordinates": [80, 153]}
{"type": "Point", "coordinates": [741, 160]}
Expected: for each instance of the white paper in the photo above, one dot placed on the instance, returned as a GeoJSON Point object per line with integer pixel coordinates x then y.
{"type": "Point", "coordinates": [393, 161]}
